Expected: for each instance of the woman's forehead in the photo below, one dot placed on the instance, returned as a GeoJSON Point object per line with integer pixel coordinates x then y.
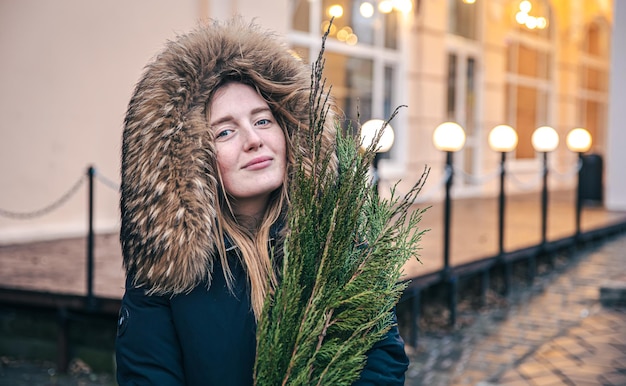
{"type": "Point", "coordinates": [235, 97]}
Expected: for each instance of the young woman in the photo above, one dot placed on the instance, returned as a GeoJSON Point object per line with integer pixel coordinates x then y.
{"type": "Point", "coordinates": [206, 157]}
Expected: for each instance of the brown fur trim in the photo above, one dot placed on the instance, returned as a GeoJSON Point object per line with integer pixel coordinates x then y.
{"type": "Point", "coordinates": [169, 187]}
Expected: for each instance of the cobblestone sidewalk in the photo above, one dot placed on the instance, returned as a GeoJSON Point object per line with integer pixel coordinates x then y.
{"type": "Point", "coordinates": [554, 333]}
{"type": "Point", "coordinates": [43, 373]}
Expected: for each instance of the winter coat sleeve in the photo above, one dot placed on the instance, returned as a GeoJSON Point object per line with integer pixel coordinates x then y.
{"type": "Point", "coordinates": [147, 347]}
{"type": "Point", "coordinates": [386, 361]}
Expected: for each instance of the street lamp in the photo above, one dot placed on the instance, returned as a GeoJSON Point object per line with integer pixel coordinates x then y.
{"type": "Point", "coordinates": [579, 141]}
{"type": "Point", "coordinates": [370, 134]}
{"type": "Point", "coordinates": [545, 139]}
{"type": "Point", "coordinates": [448, 137]}
{"type": "Point", "coordinates": [503, 139]}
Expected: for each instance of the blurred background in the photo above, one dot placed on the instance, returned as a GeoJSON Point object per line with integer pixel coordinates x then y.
{"type": "Point", "coordinates": [68, 69]}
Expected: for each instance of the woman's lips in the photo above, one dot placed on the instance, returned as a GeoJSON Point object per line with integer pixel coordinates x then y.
{"type": "Point", "coordinates": [258, 163]}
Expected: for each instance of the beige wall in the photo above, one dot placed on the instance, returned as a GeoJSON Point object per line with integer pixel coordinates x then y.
{"type": "Point", "coordinates": [67, 71]}
{"type": "Point", "coordinates": [426, 74]}
{"type": "Point", "coordinates": [615, 182]}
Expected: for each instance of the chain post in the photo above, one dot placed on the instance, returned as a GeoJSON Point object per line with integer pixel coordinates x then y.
{"type": "Point", "coordinates": [90, 238]}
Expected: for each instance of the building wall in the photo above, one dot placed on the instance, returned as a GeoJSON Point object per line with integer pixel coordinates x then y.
{"type": "Point", "coordinates": [69, 68]}
{"type": "Point", "coordinates": [615, 182]}
{"type": "Point", "coordinates": [427, 73]}
{"type": "Point", "coordinates": [426, 95]}
{"type": "Point", "coordinates": [494, 36]}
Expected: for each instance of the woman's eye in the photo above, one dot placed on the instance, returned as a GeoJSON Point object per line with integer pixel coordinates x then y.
{"type": "Point", "coordinates": [223, 133]}
{"type": "Point", "coordinates": [263, 122]}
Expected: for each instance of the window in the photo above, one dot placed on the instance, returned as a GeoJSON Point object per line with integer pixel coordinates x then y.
{"type": "Point", "coordinates": [362, 52]}
{"type": "Point", "coordinates": [462, 18]}
{"type": "Point", "coordinates": [464, 52]}
{"type": "Point", "coordinates": [352, 87]}
{"type": "Point", "coordinates": [461, 101]}
{"type": "Point", "coordinates": [593, 82]}
{"type": "Point", "coordinates": [529, 72]}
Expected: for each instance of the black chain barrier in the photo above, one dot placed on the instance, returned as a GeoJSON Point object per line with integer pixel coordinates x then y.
{"type": "Point", "coordinates": [106, 181]}
{"type": "Point", "coordinates": [47, 209]}
{"type": "Point", "coordinates": [59, 202]}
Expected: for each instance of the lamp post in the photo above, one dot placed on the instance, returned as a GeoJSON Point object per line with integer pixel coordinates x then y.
{"type": "Point", "coordinates": [370, 134]}
{"type": "Point", "coordinates": [503, 139]}
{"type": "Point", "coordinates": [449, 137]}
{"type": "Point", "coordinates": [545, 139]}
{"type": "Point", "coordinates": [579, 141]}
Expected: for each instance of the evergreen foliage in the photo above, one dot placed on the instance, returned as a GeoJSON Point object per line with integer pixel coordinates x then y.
{"type": "Point", "coordinates": [343, 259]}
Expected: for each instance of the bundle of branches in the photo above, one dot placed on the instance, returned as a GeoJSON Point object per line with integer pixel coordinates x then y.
{"type": "Point", "coordinates": [343, 259]}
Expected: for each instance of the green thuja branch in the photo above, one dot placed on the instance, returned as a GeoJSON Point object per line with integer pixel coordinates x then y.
{"type": "Point", "coordinates": [343, 259]}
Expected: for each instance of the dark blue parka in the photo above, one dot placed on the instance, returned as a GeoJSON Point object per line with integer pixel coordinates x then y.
{"type": "Point", "coordinates": [207, 337]}
{"type": "Point", "coordinates": [179, 322]}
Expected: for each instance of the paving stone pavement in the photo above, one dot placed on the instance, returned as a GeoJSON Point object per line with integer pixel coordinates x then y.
{"type": "Point", "coordinates": [555, 332]}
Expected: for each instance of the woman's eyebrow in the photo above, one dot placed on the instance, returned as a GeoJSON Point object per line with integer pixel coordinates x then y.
{"type": "Point", "coordinates": [261, 109]}
{"type": "Point", "coordinates": [224, 119]}
{"type": "Point", "coordinates": [230, 118]}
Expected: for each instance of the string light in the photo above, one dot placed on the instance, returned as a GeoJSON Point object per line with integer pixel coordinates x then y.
{"type": "Point", "coordinates": [335, 10]}
{"type": "Point", "coordinates": [385, 6]}
{"type": "Point", "coordinates": [523, 17]}
{"type": "Point", "coordinates": [333, 28]}
{"type": "Point", "coordinates": [366, 9]}
{"type": "Point", "coordinates": [343, 33]}
{"type": "Point", "coordinates": [404, 6]}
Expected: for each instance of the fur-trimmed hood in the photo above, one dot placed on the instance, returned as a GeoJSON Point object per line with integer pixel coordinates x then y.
{"type": "Point", "coordinates": [169, 190]}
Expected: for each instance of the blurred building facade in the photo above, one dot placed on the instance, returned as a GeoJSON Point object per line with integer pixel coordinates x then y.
{"type": "Point", "coordinates": [69, 67]}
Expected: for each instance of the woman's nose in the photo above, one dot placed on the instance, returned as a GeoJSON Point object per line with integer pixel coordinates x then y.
{"type": "Point", "coordinates": [252, 138]}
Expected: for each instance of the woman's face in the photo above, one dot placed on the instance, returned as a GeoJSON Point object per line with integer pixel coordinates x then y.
{"type": "Point", "coordinates": [251, 147]}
